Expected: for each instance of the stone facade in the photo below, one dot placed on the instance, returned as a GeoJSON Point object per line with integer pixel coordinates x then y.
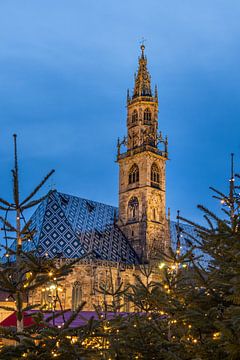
{"type": "Point", "coordinates": [87, 283]}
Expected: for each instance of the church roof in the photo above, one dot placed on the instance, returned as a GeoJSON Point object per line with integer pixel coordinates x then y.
{"type": "Point", "coordinates": [68, 226]}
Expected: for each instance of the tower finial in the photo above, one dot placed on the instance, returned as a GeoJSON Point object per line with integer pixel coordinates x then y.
{"type": "Point", "coordinates": [142, 86]}
{"type": "Point", "coordinates": [142, 46]}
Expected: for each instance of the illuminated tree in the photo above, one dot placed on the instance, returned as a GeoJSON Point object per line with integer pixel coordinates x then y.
{"type": "Point", "coordinates": [23, 272]}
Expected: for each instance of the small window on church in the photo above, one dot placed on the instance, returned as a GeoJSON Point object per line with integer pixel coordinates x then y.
{"type": "Point", "coordinates": [76, 295]}
{"type": "Point", "coordinates": [134, 117]}
{"type": "Point", "coordinates": [133, 209]}
{"type": "Point", "coordinates": [133, 176]}
{"type": "Point", "coordinates": [147, 116]}
{"type": "Point", "coordinates": [155, 176]}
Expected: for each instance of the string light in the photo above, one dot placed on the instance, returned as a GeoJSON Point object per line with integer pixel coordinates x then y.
{"type": "Point", "coordinates": [216, 335]}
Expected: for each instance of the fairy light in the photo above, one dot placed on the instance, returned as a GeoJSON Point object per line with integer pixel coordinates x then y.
{"type": "Point", "coordinates": [216, 335]}
{"type": "Point", "coordinates": [161, 265]}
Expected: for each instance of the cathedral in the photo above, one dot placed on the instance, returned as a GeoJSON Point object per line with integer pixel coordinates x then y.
{"type": "Point", "coordinates": [111, 243]}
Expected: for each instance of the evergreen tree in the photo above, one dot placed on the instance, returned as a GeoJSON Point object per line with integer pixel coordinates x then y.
{"type": "Point", "coordinates": [214, 300]}
{"type": "Point", "coordinates": [24, 272]}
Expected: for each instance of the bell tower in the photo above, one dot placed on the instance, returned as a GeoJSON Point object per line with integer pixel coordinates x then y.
{"type": "Point", "coordinates": [142, 158]}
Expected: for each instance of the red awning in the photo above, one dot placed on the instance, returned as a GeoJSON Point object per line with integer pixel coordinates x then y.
{"type": "Point", "coordinates": [11, 320]}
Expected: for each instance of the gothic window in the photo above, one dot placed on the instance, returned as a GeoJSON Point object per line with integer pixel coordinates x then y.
{"type": "Point", "coordinates": [155, 176]}
{"type": "Point", "coordinates": [45, 295]}
{"type": "Point", "coordinates": [147, 116]}
{"type": "Point", "coordinates": [76, 295]}
{"type": "Point", "coordinates": [134, 117]}
{"type": "Point", "coordinates": [133, 209]}
{"type": "Point", "coordinates": [133, 176]}
{"type": "Point", "coordinates": [49, 295]}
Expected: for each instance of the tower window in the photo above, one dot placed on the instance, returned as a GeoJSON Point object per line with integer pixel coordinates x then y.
{"type": "Point", "coordinates": [134, 117]}
{"type": "Point", "coordinates": [133, 209]}
{"type": "Point", "coordinates": [147, 116]}
{"type": "Point", "coordinates": [133, 176]}
{"type": "Point", "coordinates": [155, 176]}
{"type": "Point", "coordinates": [76, 295]}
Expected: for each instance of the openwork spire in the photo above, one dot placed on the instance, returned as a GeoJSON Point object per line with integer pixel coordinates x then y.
{"type": "Point", "coordinates": [142, 85]}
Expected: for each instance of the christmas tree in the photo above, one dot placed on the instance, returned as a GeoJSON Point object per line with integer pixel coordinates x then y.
{"type": "Point", "coordinates": [23, 272]}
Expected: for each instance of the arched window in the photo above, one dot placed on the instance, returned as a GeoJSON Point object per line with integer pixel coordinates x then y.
{"type": "Point", "coordinates": [134, 117]}
{"type": "Point", "coordinates": [133, 176]}
{"type": "Point", "coordinates": [147, 116]}
{"type": "Point", "coordinates": [133, 209]}
{"type": "Point", "coordinates": [76, 295]}
{"type": "Point", "coordinates": [155, 176]}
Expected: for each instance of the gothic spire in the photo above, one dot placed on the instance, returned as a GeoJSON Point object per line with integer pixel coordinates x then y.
{"type": "Point", "coordinates": [142, 85]}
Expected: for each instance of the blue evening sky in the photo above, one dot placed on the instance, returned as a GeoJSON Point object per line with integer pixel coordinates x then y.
{"type": "Point", "coordinates": [65, 66]}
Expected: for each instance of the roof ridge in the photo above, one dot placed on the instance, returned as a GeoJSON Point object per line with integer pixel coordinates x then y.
{"type": "Point", "coordinates": [83, 198]}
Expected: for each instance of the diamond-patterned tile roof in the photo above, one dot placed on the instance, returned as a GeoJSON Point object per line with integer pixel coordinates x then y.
{"type": "Point", "coordinates": [69, 227]}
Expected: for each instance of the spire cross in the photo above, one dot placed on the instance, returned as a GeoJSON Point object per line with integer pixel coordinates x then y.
{"type": "Point", "coordinates": [143, 40]}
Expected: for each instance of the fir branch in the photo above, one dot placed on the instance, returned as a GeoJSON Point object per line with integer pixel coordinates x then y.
{"type": "Point", "coordinates": [5, 202]}
{"type": "Point", "coordinates": [31, 307]}
{"type": "Point", "coordinates": [195, 225]}
{"type": "Point", "coordinates": [7, 308]}
{"type": "Point", "coordinates": [209, 213]}
{"type": "Point", "coordinates": [8, 224]}
{"type": "Point", "coordinates": [34, 192]}
{"type": "Point", "coordinates": [218, 192]}
{"type": "Point", "coordinates": [5, 209]}
{"type": "Point", "coordinates": [209, 222]}
{"type": "Point", "coordinates": [36, 202]}
{"type": "Point", "coordinates": [74, 315]}
{"type": "Point", "coordinates": [26, 227]}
